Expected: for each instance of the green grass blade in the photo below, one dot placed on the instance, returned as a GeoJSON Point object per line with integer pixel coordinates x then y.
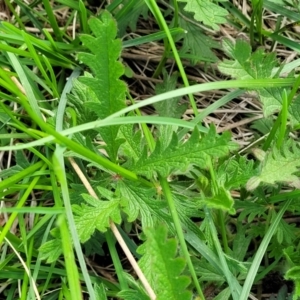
{"type": "Point", "coordinates": [261, 252]}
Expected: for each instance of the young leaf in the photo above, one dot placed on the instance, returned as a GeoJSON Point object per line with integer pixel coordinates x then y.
{"type": "Point", "coordinates": [108, 88]}
{"type": "Point", "coordinates": [179, 156]}
{"type": "Point", "coordinates": [161, 268]}
{"type": "Point", "coordinates": [252, 66]}
{"type": "Point", "coordinates": [207, 12]}
{"type": "Point", "coordinates": [221, 200]}
{"type": "Point", "coordinates": [96, 215]}
{"type": "Point", "coordinates": [279, 166]}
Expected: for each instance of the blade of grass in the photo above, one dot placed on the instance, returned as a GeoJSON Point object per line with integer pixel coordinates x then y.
{"type": "Point", "coordinates": [52, 20]}
{"type": "Point", "coordinates": [60, 164]}
{"type": "Point", "coordinates": [261, 252]}
{"type": "Point", "coordinates": [233, 284]}
{"type": "Point", "coordinates": [67, 244]}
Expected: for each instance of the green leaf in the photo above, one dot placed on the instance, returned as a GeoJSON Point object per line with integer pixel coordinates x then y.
{"type": "Point", "coordinates": [196, 44]}
{"type": "Point", "coordinates": [294, 274]}
{"type": "Point", "coordinates": [132, 295]}
{"type": "Point", "coordinates": [100, 292]}
{"type": "Point", "coordinates": [132, 147]}
{"type": "Point", "coordinates": [221, 200]}
{"type": "Point", "coordinates": [108, 88]}
{"type": "Point", "coordinates": [143, 202]}
{"type": "Point", "coordinates": [129, 14]}
{"type": "Point", "coordinates": [235, 172]}
{"type": "Point", "coordinates": [97, 214]}
{"type": "Point", "coordinates": [170, 107]}
{"type": "Point", "coordinates": [207, 12]}
{"type": "Point", "coordinates": [279, 166]}
{"type": "Point", "coordinates": [252, 66]}
{"type": "Point", "coordinates": [51, 250]}
{"type": "Point", "coordinates": [179, 156]}
{"type": "Point", "coordinates": [161, 267]}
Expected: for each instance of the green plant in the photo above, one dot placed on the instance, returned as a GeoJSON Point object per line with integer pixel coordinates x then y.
{"type": "Point", "coordinates": [181, 202]}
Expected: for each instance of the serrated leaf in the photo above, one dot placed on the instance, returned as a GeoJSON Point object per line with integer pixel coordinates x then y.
{"type": "Point", "coordinates": [197, 44]}
{"type": "Point", "coordinates": [279, 166]}
{"type": "Point", "coordinates": [129, 15]}
{"type": "Point", "coordinates": [252, 66]}
{"type": "Point", "coordinates": [161, 267]}
{"type": "Point", "coordinates": [207, 12]}
{"type": "Point", "coordinates": [170, 107]}
{"type": "Point", "coordinates": [79, 96]}
{"type": "Point", "coordinates": [108, 88]}
{"type": "Point", "coordinates": [235, 172]}
{"type": "Point", "coordinates": [96, 215]}
{"type": "Point", "coordinates": [52, 249]}
{"type": "Point", "coordinates": [179, 156]}
{"type": "Point", "coordinates": [141, 202]}
{"type": "Point", "coordinates": [132, 147]}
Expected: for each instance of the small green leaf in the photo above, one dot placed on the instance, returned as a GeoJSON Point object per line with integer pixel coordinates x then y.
{"type": "Point", "coordinates": [100, 292]}
{"type": "Point", "coordinates": [161, 267]}
{"type": "Point", "coordinates": [52, 249]}
{"type": "Point", "coordinates": [141, 201]}
{"type": "Point", "coordinates": [279, 166]}
{"type": "Point", "coordinates": [96, 215]}
{"type": "Point", "coordinates": [221, 200]}
{"type": "Point", "coordinates": [197, 44]}
{"type": "Point", "coordinates": [207, 12]}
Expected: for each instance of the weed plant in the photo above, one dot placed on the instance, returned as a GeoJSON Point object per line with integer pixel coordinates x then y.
{"type": "Point", "coordinates": [101, 200]}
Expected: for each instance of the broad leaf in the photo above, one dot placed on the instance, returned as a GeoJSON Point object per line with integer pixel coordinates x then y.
{"type": "Point", "coordinates": [279, 166]}
{"type": "Point", "coordinates": [252, 66]}
{"type": "Point", "coordinates": [96, 214]}
{"type": "Point", "coordinates": [207, 12]}
{"type": "Point", "coordinates": [180, 156]}
{"type": "Point", "coordinates": [161, 267]}
{"type": "Point", "coordinates": [108, 88]}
